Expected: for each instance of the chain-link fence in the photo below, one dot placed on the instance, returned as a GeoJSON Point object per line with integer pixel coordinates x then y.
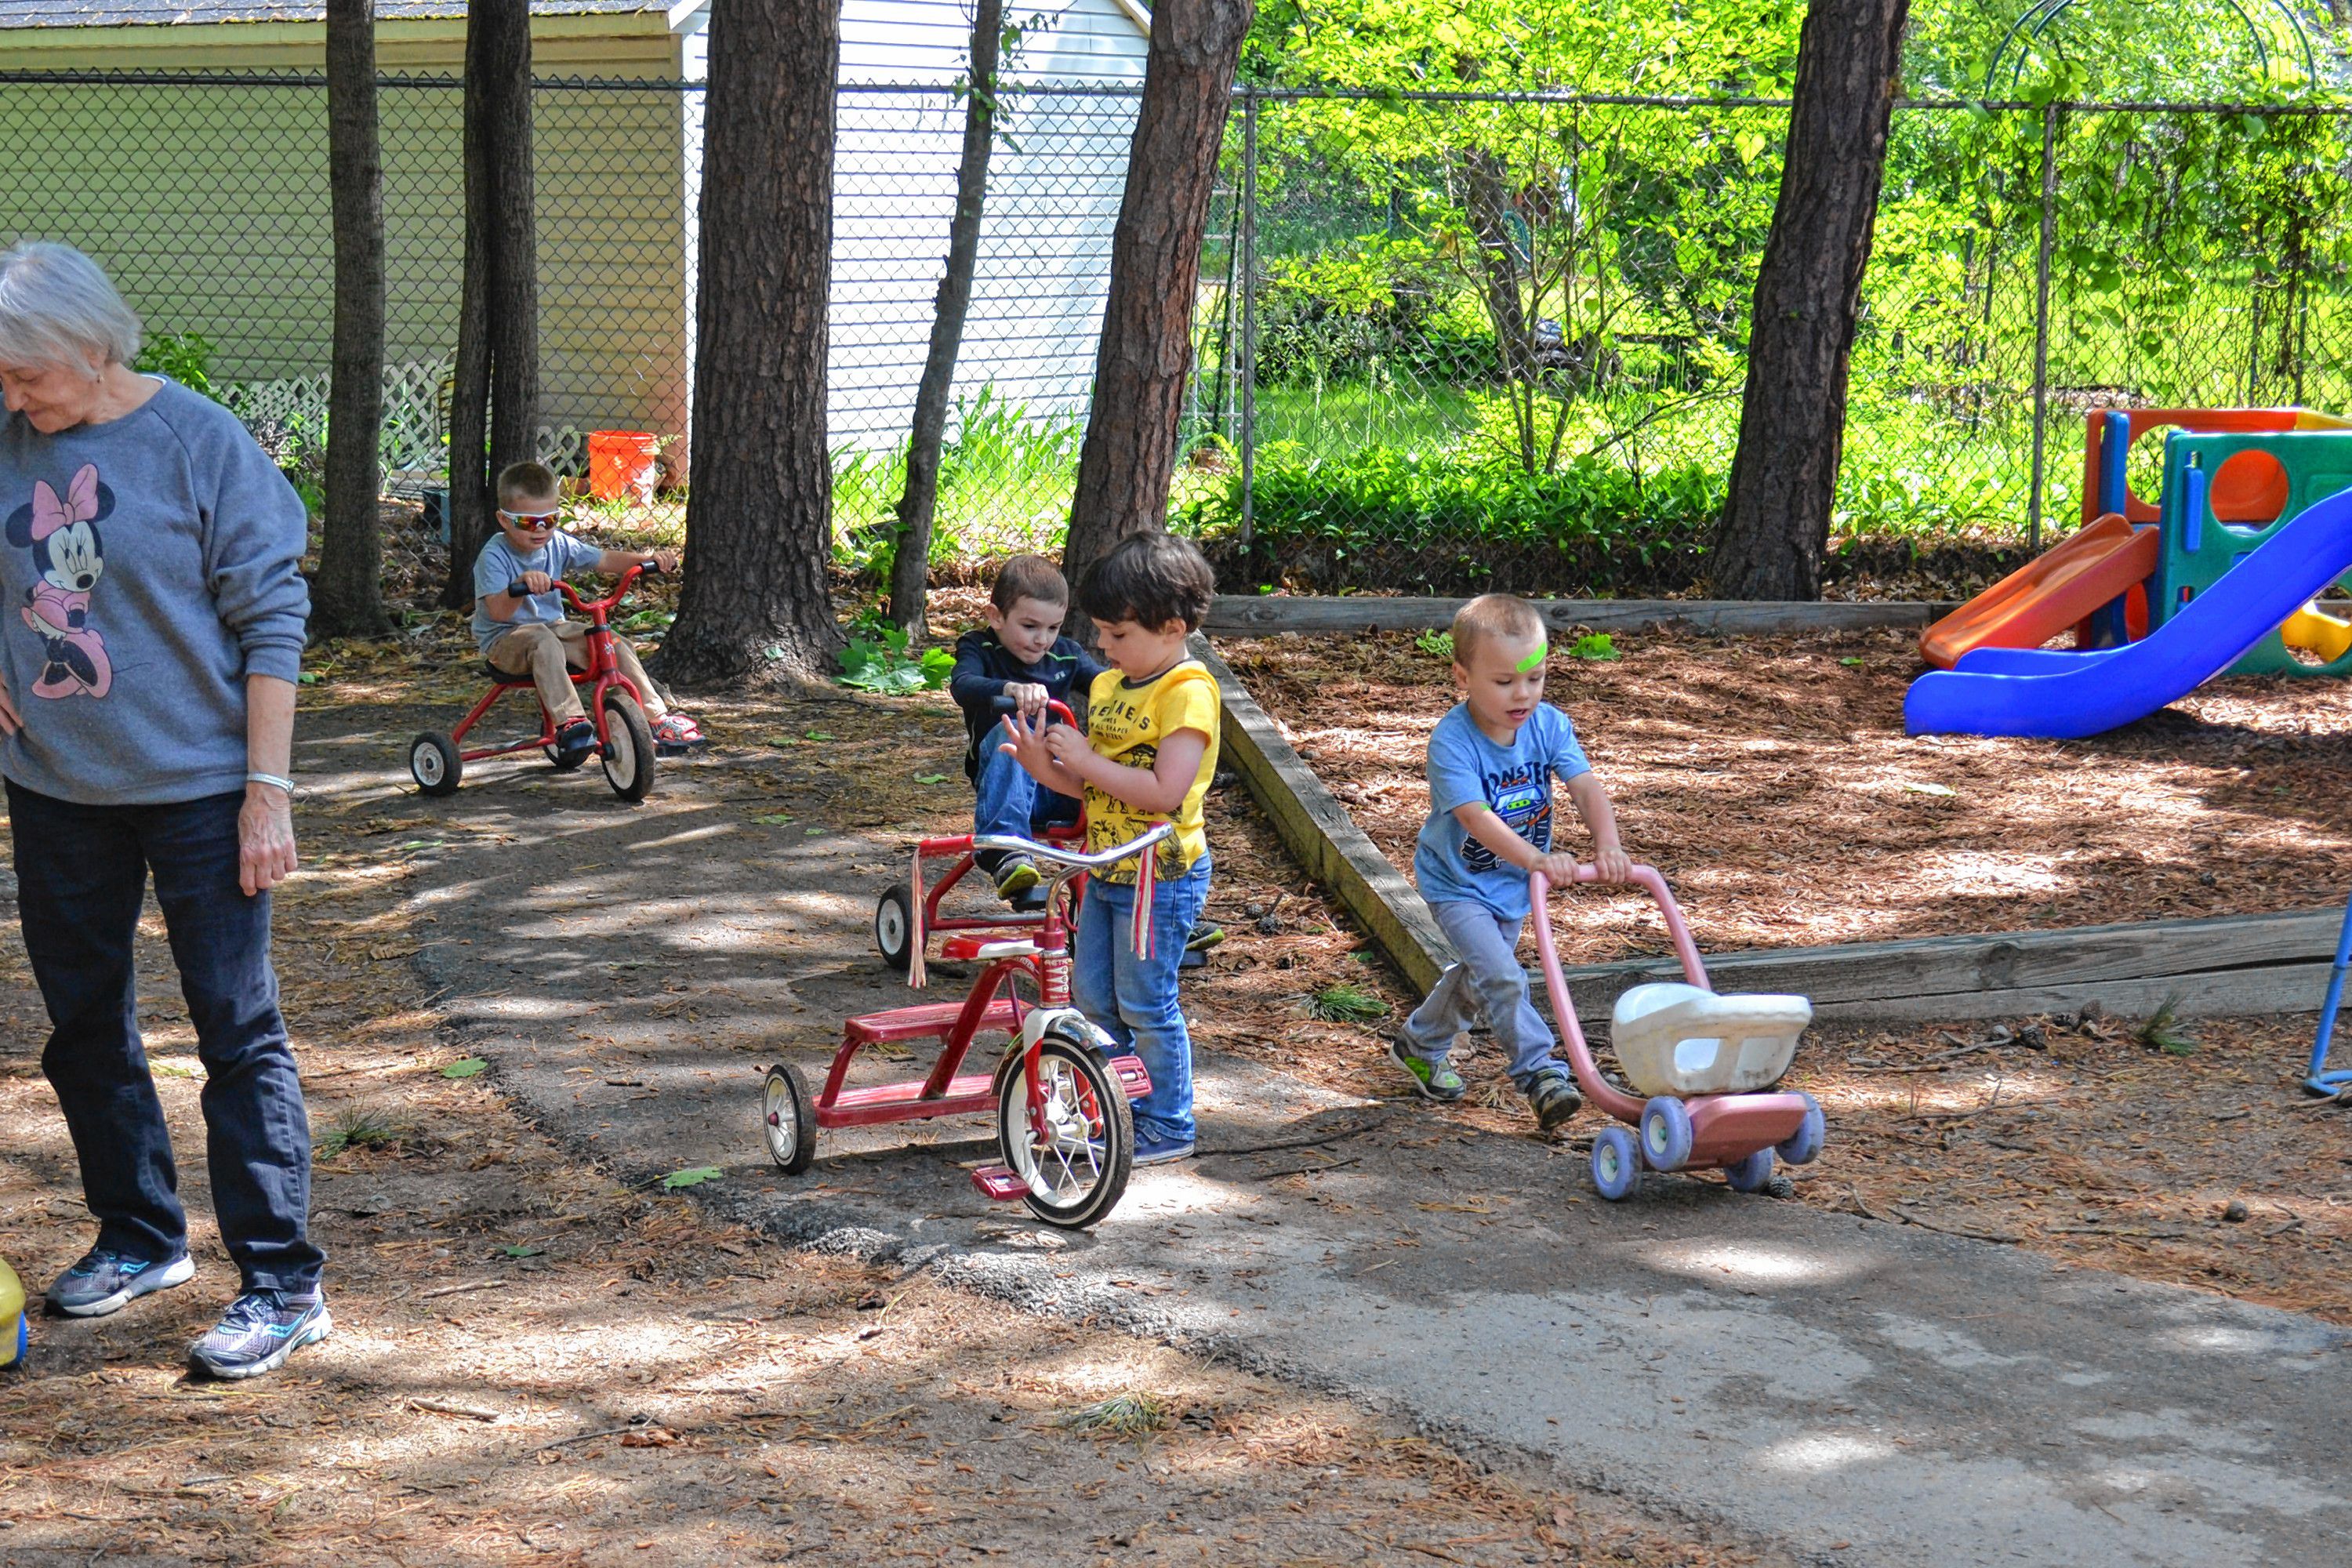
{"type": "Point", "coordinates": [1501, 342]}
{"type": "Point", "coordinates": [1440, 342]}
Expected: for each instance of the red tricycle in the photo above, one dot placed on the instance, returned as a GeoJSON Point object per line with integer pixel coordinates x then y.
{"type": "Point", "coordinates": [1061, 1097]}
{"type": "Point", "coordinates": [907, 913]}
{"type": "Point", "coordinates": [624, 740]}
{"type": "Point", "coordinates": [1705, 1062]}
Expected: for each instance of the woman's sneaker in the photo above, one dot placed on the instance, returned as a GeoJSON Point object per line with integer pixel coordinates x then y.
{"type": "Point", "coordinates": [258, 1331]}
{"type": "Point", "coordinates": [106, 1282]}
{"type": "Point", "coordinates": [1434, 1080]}
{"type": "Point", "coordinates": [1551, 1095]}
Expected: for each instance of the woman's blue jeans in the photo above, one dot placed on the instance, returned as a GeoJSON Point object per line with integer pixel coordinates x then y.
{"type": "Point", "coordinates": [1134, 999]}
{"type": "Point", "coordinates": [82, 874]}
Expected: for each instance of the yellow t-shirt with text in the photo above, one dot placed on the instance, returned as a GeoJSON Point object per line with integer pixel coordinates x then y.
{"type": "Point", "coordinates": [1125, 721]}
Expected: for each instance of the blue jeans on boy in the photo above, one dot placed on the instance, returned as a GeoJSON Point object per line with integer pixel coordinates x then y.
{"type": "Point", "coordinates": [1133, 999]}
{"type": "Point", "coordinates": [82, 874]}
{"type": "Point", "coordinates": [1488, 979]}
{"type": "Point", "coordinates": [1007, 800]}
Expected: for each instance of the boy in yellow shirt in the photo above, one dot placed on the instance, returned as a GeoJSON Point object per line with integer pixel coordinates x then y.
{"type": "Point", "coordinates": [1150, 751]}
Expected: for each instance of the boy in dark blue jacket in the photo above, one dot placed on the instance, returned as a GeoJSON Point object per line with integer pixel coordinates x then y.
{"type": "Point", "coordinates": [1021, 655]}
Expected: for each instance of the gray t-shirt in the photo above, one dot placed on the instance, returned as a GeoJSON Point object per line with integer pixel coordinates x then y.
{"type": "Point", "coordinates": [500, 564]}
{"type": "Point", "coordinates": [154, 562]}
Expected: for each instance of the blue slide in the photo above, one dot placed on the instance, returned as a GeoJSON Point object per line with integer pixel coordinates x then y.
{"type": "Point", "coordinates": [2061, 696]}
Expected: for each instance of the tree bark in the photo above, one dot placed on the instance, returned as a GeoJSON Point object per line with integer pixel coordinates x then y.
{"type": "Point", "coordinates": [910, 563]}
{"type": "Point", "coordinates": [494, 403]}
{"type": "Point", "coordinates": [347, 595]}
{"type": "Point", "coordinates": [759, 520]}
{"type": "Point", "coordinates": [1129, 454]}
{"type": "Point", "coordinates": [1807, 295]}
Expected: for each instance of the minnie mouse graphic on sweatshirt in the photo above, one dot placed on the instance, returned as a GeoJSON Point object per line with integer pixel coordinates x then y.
{"type": "Point", "coordinates": [152, 561]}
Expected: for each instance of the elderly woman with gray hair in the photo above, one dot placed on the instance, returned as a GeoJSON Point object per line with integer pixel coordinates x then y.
{"type": "Point", "coordinates": [146, 719]}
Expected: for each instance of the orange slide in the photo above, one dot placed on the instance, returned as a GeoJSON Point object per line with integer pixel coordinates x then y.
{"type": "Point", "coordinates": [2046, 595]}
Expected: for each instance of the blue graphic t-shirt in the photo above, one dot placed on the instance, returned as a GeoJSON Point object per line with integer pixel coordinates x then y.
{"type": "Point", "coordinates": [1514, 782]}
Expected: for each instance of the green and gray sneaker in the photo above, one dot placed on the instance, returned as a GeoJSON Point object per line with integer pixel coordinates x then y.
{"type": "Point", "coordinates": [1433, 1080]}
{"type": "Point", "coordinates": [1551, 1095]}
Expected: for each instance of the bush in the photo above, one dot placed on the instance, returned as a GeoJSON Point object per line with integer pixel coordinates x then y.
{"type": "Point", "coordinates": [1441, 522]}
{"type": "Point", "coordinates": [185, 357]}
{"type": "Point", "coordinates": [1377, 309]}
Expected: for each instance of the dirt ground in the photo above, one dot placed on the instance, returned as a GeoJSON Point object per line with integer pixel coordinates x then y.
{"type": "Point", "coordinates": [2074, 1138]}
{"type": "Point", "coordinates": [533, 1364]}
{"type": "Point", "coordinates": [1770, 780]}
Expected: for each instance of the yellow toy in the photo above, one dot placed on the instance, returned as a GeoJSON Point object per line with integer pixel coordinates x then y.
{"type": "Point", "coordinates": [2323, 634]}
{"type": "Point", "coordinates": [15, 1334]}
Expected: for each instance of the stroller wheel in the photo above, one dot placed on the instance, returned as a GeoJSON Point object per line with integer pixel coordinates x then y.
{"type": "Point", "coordinates": [1749, 1176]}
{"type": "Point", "coordinates": [1665, 1133]}
{"type": "Point", "coordinates": [1616, 1165]}
{"type": "Point", "coordinates": [1804, 1145]}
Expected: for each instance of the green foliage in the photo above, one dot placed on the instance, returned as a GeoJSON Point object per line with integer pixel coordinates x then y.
{"type": "Point", "coordinates": [1346, 1004]}
{"type": "Point", "coordinates": [185, 357]}
{"type": "Point", "coordinates": [693, 1178]}
{"type": "Point", "coordinates": [1438, 644]}
{"type": "Point", "coordinates": [1596, 645]}
{"type": "Point", "coordinates": [470, 1067]}
{"type": "Point", "coordinates": [1005, 478]}
{"type": "Point", "coordinates": [356, 1128]}
{"type": "Point", "coordinates": [878, 659]}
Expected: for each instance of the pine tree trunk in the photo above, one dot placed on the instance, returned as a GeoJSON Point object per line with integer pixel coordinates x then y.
{"type": "Point", "coordinates": [494, 399]}
{"type": "Point", "coordinates": [347, 595]}
{"type": "Point", "coordinates": [910, 564]}
{"type": "Point", "coordinates": [1807, 295]}
{"type": "Point", "coordinates": [1129, 455]}
{"type": "Point", "coordinates": [755, 602]}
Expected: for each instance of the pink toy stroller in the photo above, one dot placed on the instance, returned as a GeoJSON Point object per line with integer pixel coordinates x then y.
{"type": "Point", "coordinates": [1706, 1063]}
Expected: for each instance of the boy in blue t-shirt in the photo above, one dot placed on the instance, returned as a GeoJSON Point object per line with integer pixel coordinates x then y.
{"type": "Point", "coordinates": [1020, 656]}
{"type": "Point", "coordinates": [1491, 762]}
{"type": "Point", "coordinates": [526, 634]}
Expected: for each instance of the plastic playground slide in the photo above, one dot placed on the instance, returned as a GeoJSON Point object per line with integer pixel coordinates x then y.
{"type": "Point", "coordinates": [2049, 593]}
{"type": "Point", "coordinates": [2022, 691]}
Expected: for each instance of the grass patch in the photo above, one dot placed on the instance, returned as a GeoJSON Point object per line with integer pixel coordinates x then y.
{"type": "Point", "coordinates": [356, 1129]}
{"type": "Point", "coordinates": [1346, 1004]}
{"type": "Point", "coordinates": [1122, 1415]}
{"type": "Point", "coordinates": [2162, 1031]}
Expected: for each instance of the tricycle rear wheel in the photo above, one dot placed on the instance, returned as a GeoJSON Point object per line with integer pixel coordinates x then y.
{"type": "Point", "coordinates": [786, 1120]}
{"type": "Point", "coordinates": [434, 763]}
{"type": "Point", "coordinates": [894, 926]}
{"type": "Point", "coordinates": [1088, 1151]}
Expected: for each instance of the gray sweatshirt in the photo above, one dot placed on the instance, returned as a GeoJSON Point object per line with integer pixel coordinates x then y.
{"type": "Point", "coordinates": [148, 565]}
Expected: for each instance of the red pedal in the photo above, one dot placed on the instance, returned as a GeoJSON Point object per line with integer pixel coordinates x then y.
{"type": "Point", "coordinates": [1133, 1076]}
{"type": "Point", "coordinates": [1000, 1183]}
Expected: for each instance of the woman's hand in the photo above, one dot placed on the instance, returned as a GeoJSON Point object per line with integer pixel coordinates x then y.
{"type": "Point", "coordinates": [10, 721]}
{"type": "Point", "coordinates": [265, 839]}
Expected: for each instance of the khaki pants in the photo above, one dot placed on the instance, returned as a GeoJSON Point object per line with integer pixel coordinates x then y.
{"type": "Point", "coordinates": [548, 651]}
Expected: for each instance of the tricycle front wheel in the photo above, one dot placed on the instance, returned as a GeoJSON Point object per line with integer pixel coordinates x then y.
{"type": "Point", "coordinates": [434, 763]}
{"type": "Point", "coordinates": [628, 747]}
{"type": "Point", "coordinates": [1077, 1162]}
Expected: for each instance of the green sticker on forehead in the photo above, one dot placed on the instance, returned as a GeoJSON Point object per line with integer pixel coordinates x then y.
{"type": "Point", "coordinates": [1534, 660]}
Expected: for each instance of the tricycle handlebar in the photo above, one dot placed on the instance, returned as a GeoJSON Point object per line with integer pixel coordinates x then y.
{"type": "Point", "coordinates": [1055, 712]}
{"type": "Point", "coordinates": [1076, 860]}
{"type": "Point", "coordinates": [519, 589]}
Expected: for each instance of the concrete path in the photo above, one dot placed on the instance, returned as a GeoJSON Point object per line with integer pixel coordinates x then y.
{"type": "Point", "coordinates": [1846, 1390]}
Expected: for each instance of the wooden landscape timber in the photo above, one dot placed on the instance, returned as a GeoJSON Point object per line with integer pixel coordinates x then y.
{"type": "Point", "coordinates": [1242, 614]}
{"type": "Point", "coordinates": [2233, 965]}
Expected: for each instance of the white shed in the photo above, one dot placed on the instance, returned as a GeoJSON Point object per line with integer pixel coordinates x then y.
{"type": "Point", "coordinates": [1056, 181]}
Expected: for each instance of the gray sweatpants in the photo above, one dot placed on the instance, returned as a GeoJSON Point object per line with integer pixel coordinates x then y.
{"type": "Point", "coordinates": [1488, 979]}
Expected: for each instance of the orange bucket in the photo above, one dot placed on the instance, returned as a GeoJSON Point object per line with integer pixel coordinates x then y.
{"type": "Point", "coordinates": [623, 463]}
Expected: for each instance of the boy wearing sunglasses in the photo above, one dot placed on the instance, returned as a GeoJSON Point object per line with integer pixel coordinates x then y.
{"type": "Point", "coordinates": [526, 634]}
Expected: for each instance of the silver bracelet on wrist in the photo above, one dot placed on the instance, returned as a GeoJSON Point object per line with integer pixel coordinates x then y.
{"type": "Point", "coordinates": [273, 781]}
